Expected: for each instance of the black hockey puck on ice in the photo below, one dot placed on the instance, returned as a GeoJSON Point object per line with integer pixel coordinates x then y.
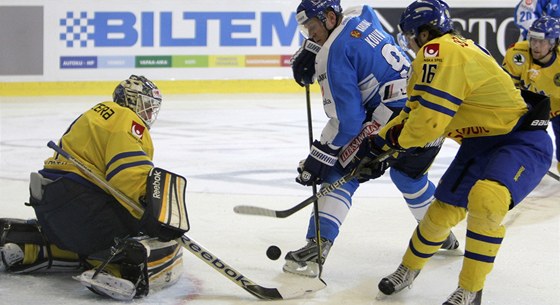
{"type": "Point", "coordinates": [273, 252]}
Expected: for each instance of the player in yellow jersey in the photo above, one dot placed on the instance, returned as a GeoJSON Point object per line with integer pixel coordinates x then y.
{"type": "Point", "coordinates": [456, 89]}
{"type": "Point", "coordinates": [79, 224]}
{"type": "Point", "coordinates": [534, 65]}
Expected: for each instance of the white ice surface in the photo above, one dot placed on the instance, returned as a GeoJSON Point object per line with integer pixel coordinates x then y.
{"type": "Point", "coordinates": [243, 149]}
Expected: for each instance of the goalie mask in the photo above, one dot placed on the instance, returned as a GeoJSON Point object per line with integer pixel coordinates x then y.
{"type": "Point", "coordinates": [140, 95]}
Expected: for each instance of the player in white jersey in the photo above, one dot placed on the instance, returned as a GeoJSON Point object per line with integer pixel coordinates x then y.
{"type": "Point", "coordinates": [528, 11]}
{"type": "Point", "coordinates": [362, 74]}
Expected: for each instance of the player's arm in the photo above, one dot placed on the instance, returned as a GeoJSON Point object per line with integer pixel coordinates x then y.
{"type": "Point", "coordinates": [128, 161]}
{"type": "Point", "coordinates": [513, 64]}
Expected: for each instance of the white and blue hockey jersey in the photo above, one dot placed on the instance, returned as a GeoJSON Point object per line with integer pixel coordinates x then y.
{"type": "Point", "coordinates": [527, 11]}
{"type": "Point", "coordinates": [359, 69]}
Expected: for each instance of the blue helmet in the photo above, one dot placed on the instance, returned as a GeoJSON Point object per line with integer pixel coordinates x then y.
{"type": "Point", "coordinates": [308, 9]}
{"type": "Point", "coordinates": [421, 12]}
{"type": "Point", "coordinates": [545, 27]}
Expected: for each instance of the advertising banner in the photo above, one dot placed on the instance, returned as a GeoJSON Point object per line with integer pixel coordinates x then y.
{"type": "Point", "coordinates": [185, 40]}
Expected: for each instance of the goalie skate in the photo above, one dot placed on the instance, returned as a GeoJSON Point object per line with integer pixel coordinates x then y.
{"type": "Point", "coordinates": [10, 254]}
{"type": "Point", "coordinates": [304, 261]}
{"type": "Point", "coordinates": [108, 285]}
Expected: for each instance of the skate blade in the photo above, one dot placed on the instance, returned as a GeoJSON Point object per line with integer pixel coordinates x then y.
{"type": "Point", "coordinates": [311, 270]}
{"type": "Point", "coordinates": [104, 285]}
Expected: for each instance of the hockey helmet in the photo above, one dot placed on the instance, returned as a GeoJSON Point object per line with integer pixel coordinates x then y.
{"type": "Point", "coordinates": [421, 12]}
{"type": "Point", "coordinates": [546, 27]}
{"type": "Point", "coordinates": [141, 95]}
{"type": "Point", "coordinates": [308, 9]}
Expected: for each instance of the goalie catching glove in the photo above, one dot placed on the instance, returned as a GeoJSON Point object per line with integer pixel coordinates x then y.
{"type": "Point", "coordinates": [303, 62]}
{"type": "Point", "coordinates": [165, 214]}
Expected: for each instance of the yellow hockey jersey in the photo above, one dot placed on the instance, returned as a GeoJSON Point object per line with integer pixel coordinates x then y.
{"type": "Point", "coordinates": [457, 90]}
{"type": "Point", "coordinates": [114, 143]}
{"type": "Point", "coordinates": [526, 74]}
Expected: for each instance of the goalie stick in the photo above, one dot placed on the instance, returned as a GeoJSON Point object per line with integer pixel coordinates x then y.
{"type": "Point", "coordinates": [254, 210]}
{"type": "Point", "coordinates": [553, 175]}
{"type": "Point", "coordinates": [199, 251]}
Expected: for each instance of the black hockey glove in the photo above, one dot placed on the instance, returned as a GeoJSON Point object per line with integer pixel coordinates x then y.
{"type": "Point", "coordinates": [318, 164]}
{"type": "Point", "coordinates": [303, 62]}
{"type": "Point", "coordinates": [367, 168]}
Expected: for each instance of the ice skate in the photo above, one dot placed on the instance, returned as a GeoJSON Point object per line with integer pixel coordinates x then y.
{"type": "Point", "coordinates": [397, 281]}
{"type": "Point", "coordinates": [451, 243]}
{"type": "Point", "coordinates": [304, 261]}
{"type": "Point", "coordinates": [107, 285]}
{"type": "Point", "coordinates": [464, 297]}
{"type": "Point", "coordinates": [450, 247]}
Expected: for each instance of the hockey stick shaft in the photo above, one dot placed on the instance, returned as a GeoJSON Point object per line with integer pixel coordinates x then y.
{"type": "Point", "coordinates": [314, 185]}
{"type": "Point", "coordinates": [553, 175]}
{"type": "Point", "coordinates": [254, 210]}
{"type": "Point", "coordinates": [195, 248]}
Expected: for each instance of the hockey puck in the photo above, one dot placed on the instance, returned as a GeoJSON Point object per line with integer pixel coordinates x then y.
{"type": "Point", "coordinates": [273, 252]}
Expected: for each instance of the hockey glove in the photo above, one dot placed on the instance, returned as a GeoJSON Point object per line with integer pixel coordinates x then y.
{"type": "Point", "coordinates": [318, 164]}
{"type": "Point", "coordinates": [392, 136]}
{"type": "Point", "coordinates": [303, 62]}
{"type": "Point", "coordinates": [367, 168]}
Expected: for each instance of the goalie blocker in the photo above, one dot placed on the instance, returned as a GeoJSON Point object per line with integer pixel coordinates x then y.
{"type": "Point", "coordinates": [165, 214]}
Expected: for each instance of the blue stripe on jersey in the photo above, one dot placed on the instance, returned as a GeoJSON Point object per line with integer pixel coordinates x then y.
{"type": "Point", "coordinates": [439, 93]}
{"type": "Point", "coordinates": [124, 155]}
{"type": "Point", "coordinates": [432, 106]}
{"type": "Point", "coordinates": [125, 166]}
{"type": "Point", "coordinates": [484, 238]}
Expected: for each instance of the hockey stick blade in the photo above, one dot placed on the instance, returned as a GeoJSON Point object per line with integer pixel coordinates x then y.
{"type": "Point", "coordinates": [260, 211]}
{"type": "Point", "coordinates": [553, 175]}
{"type": "Point", "coordinates": [199, 251]}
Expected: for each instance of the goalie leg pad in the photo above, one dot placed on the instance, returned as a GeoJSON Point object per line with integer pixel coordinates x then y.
{"type": "Point", "coordinates": [166, 211]}
{"type": "Point", "coordinates": [24, 249]}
